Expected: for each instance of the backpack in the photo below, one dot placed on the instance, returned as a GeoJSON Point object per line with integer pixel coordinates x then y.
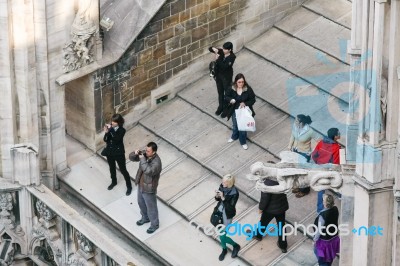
{"type": "Point", "coordinates": [212, 68]}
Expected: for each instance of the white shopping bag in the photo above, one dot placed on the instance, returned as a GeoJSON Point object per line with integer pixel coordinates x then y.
{"type": "Point", "coordinates": [245, 120]}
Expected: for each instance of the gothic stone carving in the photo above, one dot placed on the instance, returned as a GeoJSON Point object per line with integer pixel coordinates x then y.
{"type": "Point", "coordinates": [288, 176]}
{"type": "Point", "coordinates": [6, 253]}
{"type": "Point", "coordinates": [79, 51]}
{"type": "Point", "coordinates": [7, 218]}
{"type": "Point", "coordinates": [46, 230]}
{"type": "Point", "coordinates": [85, 253]}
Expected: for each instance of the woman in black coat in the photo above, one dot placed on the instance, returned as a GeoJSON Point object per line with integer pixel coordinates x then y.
{"type": "Point", "coordinates": [114, 136]}
{"type": "Point", "coordinates": [239, 96]}
{"type": "Point", "coordinates": [223, 72]}
{"type": "Point", "coordinates": [227, 195]}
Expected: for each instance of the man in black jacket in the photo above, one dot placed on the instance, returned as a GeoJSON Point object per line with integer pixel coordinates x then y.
{"type": "Point", "coordinates": [272, 206]}
{"type": "Point", "coordinates": [223, 72]}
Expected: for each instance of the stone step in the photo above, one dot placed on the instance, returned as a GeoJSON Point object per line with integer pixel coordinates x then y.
{"type": "Point", "coordinates": [339, 12]}
{"type": "Point", "coordinates": [308, 64]}
{"type": "Point", "coordinates": [317, 31]}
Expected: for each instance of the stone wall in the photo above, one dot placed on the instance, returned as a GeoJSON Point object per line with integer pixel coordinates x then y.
{"type": "Point", "coordinates": [179, 34]}
{"type": "Point", "coordinates": [80, 110]}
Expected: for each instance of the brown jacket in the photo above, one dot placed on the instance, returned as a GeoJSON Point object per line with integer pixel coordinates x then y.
{"type": "Point", "coordinates": [149, 170]}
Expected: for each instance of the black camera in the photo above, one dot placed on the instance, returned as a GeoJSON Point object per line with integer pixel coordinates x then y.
{"type": "Point", "coordinates": [142, 152]}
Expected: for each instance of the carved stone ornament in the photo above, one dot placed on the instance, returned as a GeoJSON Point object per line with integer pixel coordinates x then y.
{"type": "Point", "coordinates": [7, 218]}
{"type": "Point", "coordinates": [85, 246]}
{"type": "Point", "coordinates": [289, 175]}
{"type": "Point", "coordinates": [79, 51]}
{"type": "Point", "coordinates": [7, 253]}
{"type": "Point", "coordinates": [46, 215]}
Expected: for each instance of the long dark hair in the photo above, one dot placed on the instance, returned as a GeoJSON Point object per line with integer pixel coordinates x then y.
{"type": "Point", "coordinates": [118, 119]}
{"type": "Point", "coordinates": [240, 76]}
{"type": "Point", "coordinates": [305, 119]}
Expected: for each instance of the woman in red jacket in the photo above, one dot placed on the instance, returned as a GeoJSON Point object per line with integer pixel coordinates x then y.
{"type": "Point", "coordinates": [326, 151]}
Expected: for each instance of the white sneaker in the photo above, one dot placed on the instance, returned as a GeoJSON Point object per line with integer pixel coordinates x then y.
{"type": "Point", "coordinates": [245, 146]}
{"type": "Point", "coordinates": [230, 140]}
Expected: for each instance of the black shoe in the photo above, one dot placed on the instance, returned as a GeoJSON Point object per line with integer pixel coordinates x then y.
{"type": "Point", "coordinates": [111, 186]}
{"type": "Point", "coordinates": [235, 250]}
{"type": "Point", "coordinates": [222, 255]}
{"type": "Point", "coordinates": [219, 111]}
{"type": "Point", "coordinates": [142, 222]}
{"type": "Point", "coordinates": [129, 191]}
{"type": "Point", "coordinates": [151, 230]}
{"type": "Point", "coordinates": [223, 115]}
{"type": "Point", "coordinates": [284, 250]}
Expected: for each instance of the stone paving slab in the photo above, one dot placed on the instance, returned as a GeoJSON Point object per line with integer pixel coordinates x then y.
{"type": "Point", "coordinates": [209, 144]}
{"type": "Point", "coordinates": [305, 61]}
{"type": "Point", "coordinates": [303, 254]}
{"type": "Point", "coordinates": [297, 21]}
{"type": "Point", "coordinates": [181, 132]}
{"type": "Point", "coordinates": [197, 196]}
{"type": "Point", "coordinates": [180, 177]}
{"type": "Point", "coordinates": [126, 212]}
{"type": "Point", "coordinates": [320, 32]}
{"type": "Point", "coordinates": [233, 157]}
{"type": "Point", "coordinates": [335, 12]}
{"type": "Point", "coordinates": [172, 111]}
{"type": "Point", "coordinates": [181, 238]}
{"type": "Point", "coordinates": [266, 251]}
{"type": "Point", "coordinates": [277, 138]}
{"type": "Point", "coordinates": [301, 208]}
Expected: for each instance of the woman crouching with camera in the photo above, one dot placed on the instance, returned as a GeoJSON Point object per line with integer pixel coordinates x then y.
{"type": "Point", "coordinates": [227, 195]}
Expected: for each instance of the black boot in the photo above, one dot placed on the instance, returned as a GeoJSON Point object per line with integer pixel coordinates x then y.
{"type": "Point", "coordinates": [223, 253]}
{"type": "Point", "coordinates": [235, 250]}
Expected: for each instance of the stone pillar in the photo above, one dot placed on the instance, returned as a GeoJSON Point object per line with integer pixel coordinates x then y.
{"type": "Point", "coordinates": [372, 238]}
{"type": "Point", "coordinates": [25, 71]}
{"type": "Point", "coordinates": [355, 89]}
{"type": "Point", "coordinates": [393, 129]}
{"type": "Point", "coordinates": [347, 214]}
{"type": "Point", "coordinates": [7, 92]}
{"type": "Point", "coordinates": [25, 165]}
{"type": "Point", "coordinates": [369, 152]}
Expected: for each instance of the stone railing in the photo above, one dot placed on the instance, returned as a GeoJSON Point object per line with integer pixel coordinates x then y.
{"type": "Point", "coordinates": [36, 225]}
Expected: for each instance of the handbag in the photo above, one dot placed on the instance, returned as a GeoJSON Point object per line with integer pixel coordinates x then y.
{"type": "Point", "coordinates": [217, 216]}
{"type": "Point", "coordinates": [105, 152]}
{"type": "Point", "coordinates": [245, 119]}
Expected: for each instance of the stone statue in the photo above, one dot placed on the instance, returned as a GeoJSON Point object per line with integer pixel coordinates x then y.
{"type": "Point", "coordinates": [79, 51]}
{"type": "Point", "coordinates": [383, 105]}
{"type": "Point", "coordinates": [289, 174]}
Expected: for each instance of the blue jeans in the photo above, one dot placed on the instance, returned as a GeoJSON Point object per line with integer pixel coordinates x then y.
{"type": "Point", "coordinates": [236, 134]}
{"type": "Point", "coordinates": [320, 204]}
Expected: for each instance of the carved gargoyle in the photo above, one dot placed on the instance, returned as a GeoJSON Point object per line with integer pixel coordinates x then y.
{"type": "Point", "coordinates": [291, 174]}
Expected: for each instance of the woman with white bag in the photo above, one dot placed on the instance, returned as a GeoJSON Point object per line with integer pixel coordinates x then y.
{"type": "Point", "coordinates": [240, 96]}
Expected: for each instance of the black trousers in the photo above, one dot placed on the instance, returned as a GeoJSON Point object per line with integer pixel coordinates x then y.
{"type": "Point", "coordinates": [266, 218]}
{"type": "Point", "coordinates": [122, 167]}
{"type": "Point", "coordinates": [223, 83]}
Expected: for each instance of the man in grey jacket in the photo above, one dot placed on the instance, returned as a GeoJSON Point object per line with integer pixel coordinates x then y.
{"type": "Point", "coordinates": [147, 178]}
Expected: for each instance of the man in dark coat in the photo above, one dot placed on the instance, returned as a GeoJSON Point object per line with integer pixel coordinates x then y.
{"type": "Point", "coordinates": [272, 206]}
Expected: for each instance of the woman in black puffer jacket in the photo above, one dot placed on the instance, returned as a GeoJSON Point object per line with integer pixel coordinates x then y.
{"type": "Point", "coordinates": [228, 195]}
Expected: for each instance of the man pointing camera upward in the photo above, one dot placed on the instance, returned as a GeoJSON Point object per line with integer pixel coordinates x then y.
{"type": "Point", "coordinates": [147, 178]}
